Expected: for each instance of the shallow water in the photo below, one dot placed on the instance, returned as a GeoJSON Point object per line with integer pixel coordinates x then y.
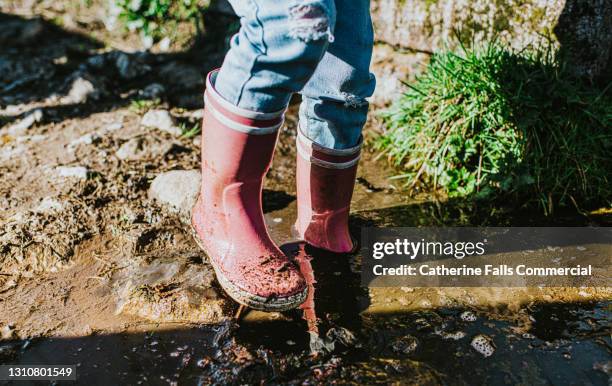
{"type": "Point", "coordinates": [551, 343]}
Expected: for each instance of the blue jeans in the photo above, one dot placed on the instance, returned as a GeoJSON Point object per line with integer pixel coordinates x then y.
{"type": "Point", "coordinates": [318, 48]}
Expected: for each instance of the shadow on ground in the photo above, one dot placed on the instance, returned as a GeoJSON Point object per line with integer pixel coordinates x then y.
{"type": "Point", "coordinates": [565, 344]}
{"type": "Point", "coordinates": [40, 62]}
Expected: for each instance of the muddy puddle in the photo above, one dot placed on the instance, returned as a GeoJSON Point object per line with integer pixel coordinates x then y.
{"type": "Point", "coordinates": [332, 340]}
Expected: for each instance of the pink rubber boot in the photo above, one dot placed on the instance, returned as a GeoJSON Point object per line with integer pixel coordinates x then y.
{"type": "Point", "coordinates": [237, 149]}
{"type": "Point", "coordinates": [325, 182]}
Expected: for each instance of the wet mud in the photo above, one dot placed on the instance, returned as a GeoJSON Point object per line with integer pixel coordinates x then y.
{"type": "Point", "coordinates": [96, 270]}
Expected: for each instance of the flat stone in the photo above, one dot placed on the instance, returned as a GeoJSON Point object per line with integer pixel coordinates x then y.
{"type": "Point", "coordinates": [79, 172]}
{"type": "Point", "coordinates": [177, 190]}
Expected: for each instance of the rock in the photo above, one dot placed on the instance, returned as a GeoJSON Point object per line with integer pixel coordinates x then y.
{"type": "Point", "coordinates": [142, 148]}
{"type": "Point", "coordinates": [86, 139]}
{"type": "Point", "coordinates": [78, 172]}
{"type": "Point", "coordinates": [406, 344]}
{"type": "Point", "coordinates": [49, 205]}
{"type": "Point", "coordinates": [7, 332]}
{"type": "Point", "coordinates": [153, 91]}
{"type": "Point", "coordinates": [468, 316]}
{"type": "Point", "coordinates": [113, 127]}
{"type": "Point", "coordinates": [129, 150]}
{"type": "Point", "coordinates": [129, 66]}
{"type": "Point", "coordinates": [430, 25]}
{"type": "Point", "coordinates": [20, 128]}
{"type": "Point", "coordinates": [97, 62]}
{"type": "Point", "coordinates": [177, 189]}
{"type": "Point", "coordinates": [484, 345]}
{"type": "Point", "coordinates": [180, 76]}
{"type": "Point", "coordinates": [161, 120]}
{"type": "Point", "coordinates": [81, 90]}
{"type": "Point", "coordinates": [164, 44]}
{"type": "Point", "coordinates": [457, 335]}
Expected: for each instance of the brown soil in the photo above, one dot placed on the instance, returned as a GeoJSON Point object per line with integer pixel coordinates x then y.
{"type": "Point", "coordinates": [92, 254]}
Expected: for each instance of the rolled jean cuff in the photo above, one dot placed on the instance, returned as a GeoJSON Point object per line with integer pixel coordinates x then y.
{"type": "Point", "coordinates": [237, 118]}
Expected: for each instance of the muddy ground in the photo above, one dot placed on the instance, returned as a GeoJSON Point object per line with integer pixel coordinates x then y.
{"type": "Point", "coordinates": [98, 268]}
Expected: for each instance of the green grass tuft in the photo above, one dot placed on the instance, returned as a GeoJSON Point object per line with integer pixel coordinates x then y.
{"type": "Point", "coordinates": [493, 123]}
{"type": "Point", "coordinates": [158, 18]}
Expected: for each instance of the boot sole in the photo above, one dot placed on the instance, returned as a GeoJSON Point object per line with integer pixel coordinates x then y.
{"type": "Point", "coordinates": [256, 302]}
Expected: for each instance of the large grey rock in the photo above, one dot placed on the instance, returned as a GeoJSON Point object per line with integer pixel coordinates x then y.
{"type": "Point", "coordinates": [176, 189]}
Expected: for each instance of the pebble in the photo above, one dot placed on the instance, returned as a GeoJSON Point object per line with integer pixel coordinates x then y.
{"type": "Point", "coordinates": [129, 150]}
{"type": "Point", "coordinates": [484, 345]}
{"type": "Point", "coordinates": [86, 139]}
{"type": "Point", "coordinates": [7, 332]}
{"type": "Point", "coordinates": [79, 172]}
{"type": "Point", "coordinates": [453, 335]}
{"type": "Point", "coordinates": [81, 90]}
{"type": "Point", "coordinates": [176, 189]}
{"type": "Point", "coordinates": [161, 120]}
{"type": "Point", "coordinates": [468, 316]}
{"type": "Point", "coordinates": [129, 66]}
{"type": "Point", "coordinates": [405, 344]}
{"type": "Point", "coordinates": [181, 76]}
{"type": "Point", "coordinates": [113, 127]}
{"type": "Point", "coordinates": [152, 91]}
{"type": "Point", "coordinates": [49, 205]}
{"type": "Point", "coordinates": [22, 126]}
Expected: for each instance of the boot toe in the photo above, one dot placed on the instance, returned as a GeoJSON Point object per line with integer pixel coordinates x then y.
{"type": "Point", "coordinates": [275, 281]}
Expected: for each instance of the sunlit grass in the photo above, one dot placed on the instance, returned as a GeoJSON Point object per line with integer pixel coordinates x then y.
{"type": "Point", "coordinates": [492, 123]}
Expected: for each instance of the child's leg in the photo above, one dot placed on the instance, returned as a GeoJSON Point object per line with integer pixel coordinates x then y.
{"type": "Point", "coordinates": [274, 54]}
{"type": "Point", "coordinates": [276, 51]}
{"type": "Point", "coordinates": [332, 115]}
{"type": "Point", "coordinates": [334, 106]}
